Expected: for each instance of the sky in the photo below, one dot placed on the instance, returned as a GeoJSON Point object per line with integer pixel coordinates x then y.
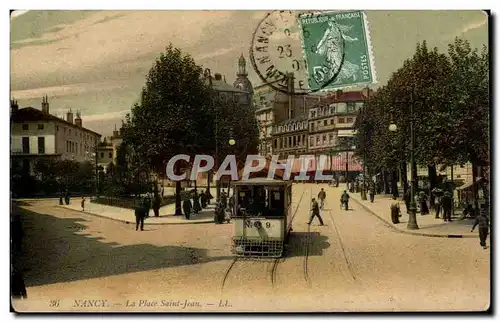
{"type": "Point", "coordinates": [97, 61]}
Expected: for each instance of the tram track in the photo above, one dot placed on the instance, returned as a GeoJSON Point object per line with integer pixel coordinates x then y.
{"type": "Point", "coordinates": [305, 267]}
{"type": "Point", "coordinates": [275, 261]}
{"type": "Point", "coordinates": [349, 268]}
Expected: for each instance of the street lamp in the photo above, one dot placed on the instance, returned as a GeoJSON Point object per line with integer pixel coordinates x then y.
{"type": "Point", "coordinates": [412, 211]}
{"type": "Point", "coordinates": [208, 74]}
{"type": "Point", "coordinates": [232, 142]}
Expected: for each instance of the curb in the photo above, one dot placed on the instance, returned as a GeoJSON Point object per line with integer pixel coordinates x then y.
{"type": "Point", "coordinates": [205, 221]}
{"type": "Point", "coordinates": [409, 232]}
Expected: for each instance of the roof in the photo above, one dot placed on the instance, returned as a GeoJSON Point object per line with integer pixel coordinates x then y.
{"type": "Point", "coordinates": [220, 85]}
{"type": "Point", "coordinates": [30, 114]}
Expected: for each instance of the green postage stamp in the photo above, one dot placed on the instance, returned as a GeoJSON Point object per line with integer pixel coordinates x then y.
{"type": "Point", "coordinates": [337, 49]}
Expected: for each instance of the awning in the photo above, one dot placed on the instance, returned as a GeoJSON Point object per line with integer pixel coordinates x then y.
{"type": "Point", "coordinates": [331, 163]}
{"type": "Point", "coordinates": [469, 183]}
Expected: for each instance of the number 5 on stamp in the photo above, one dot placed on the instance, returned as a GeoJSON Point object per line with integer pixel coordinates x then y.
{"type": "Point", "coordinates": [337, 49]}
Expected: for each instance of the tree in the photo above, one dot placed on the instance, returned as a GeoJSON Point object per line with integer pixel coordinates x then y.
{"type": "Point", "coordinates": [443, 89]}
{"type": "Point", "coordinates": [173, 116]}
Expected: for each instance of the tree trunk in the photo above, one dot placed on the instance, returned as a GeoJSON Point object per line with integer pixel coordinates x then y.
{"type": "Point", "coordinates": [178, 209]}
{"type": "Point", "coordinates": [432, 182]}
{"type": "Point", "coordinates": [474, 186]}
{"type": "Point", "coordinates": [404, 177]}
{"type": "Point", "coordinates": [394, 183]}
{"type": "Point", "coordinates": [386, 181]}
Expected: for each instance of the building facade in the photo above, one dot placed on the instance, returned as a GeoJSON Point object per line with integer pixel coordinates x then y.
{"type": "Point", "coordinates": [331, 122]}
{"type": "Point", "coordinates": [36, 135]}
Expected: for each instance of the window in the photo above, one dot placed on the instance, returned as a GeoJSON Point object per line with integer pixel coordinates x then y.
{"type": "Point", "coordinates": [26, 127]}
{"type": "Point", "coordinates": [311, 141]}
{"type": "Point", "coordinates": [57, 127]}
{"type": "Point", "coordinates": [292, 114]}
{"type": "Point", "coordinates": [40, 126]}
{"type": "Point", "coordinates": [275, 143]}
{"type": "Point", "coordinates": [324, 138]}
{"type": "Point", "coordinates": [325, 122]}
{"type": "Point", "coordinates": [26, 144]}
{"type": "Point", "coordinates": [341, 120]}
{"type": "Point", "coordinates": [351, 107]}
{"type": "Point", "coordinates": [349, 120]}
{"type": "Point", "coordinates": [110, 155]}
{"type": "Point", "coordinates": [294, 140]}
{"type": "Point", "coordinates": [69, 131]}
{"type": "Point", "coordinates": [331, 121]}
{"type": "Point", "coordinates": [331, 138]}
{"type": "Point", "coordinates": [317, 140]}
{"type": "Point", "coordinates": [341, 107]}
{"type": "Point", "coordinates": [298, 140]}
{"type": "Point", "coordinates": [102, 155]}
{"type": "Point", "coordinates": [319, 123]}
{"type": "Point", "coordinates": [313, 114]}
{"type": "Point", "coordinates": [76, 147]}
{"type": "Point", "coordinates": [312, 127]}
{"type": "Point", "coordinates": [41, 144]}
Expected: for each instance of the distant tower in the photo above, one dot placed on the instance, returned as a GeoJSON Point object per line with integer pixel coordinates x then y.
{"type": "Point", "coordinates": [242, 82]}
{"type": "Point", "coordinates": [78, 119]}
{"type": "Point", "coordinates": [45, 104]}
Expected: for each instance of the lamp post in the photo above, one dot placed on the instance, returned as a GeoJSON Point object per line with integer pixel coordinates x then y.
{"type": "Point", "coordinates": [412, 211]}
{"type": "Point", "coordinates": [208, 74]}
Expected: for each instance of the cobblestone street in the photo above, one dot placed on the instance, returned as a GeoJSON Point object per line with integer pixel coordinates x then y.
{"type": "Point", "coordinates": [353, 263]}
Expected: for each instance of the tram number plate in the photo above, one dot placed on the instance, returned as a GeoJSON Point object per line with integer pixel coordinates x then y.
{"type": "Point", "coordinates": [257, 224]}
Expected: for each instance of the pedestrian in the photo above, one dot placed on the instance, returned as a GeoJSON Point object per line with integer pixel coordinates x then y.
{"type": "Point", "coordinates": [437, 205]}
{"type": "Point", "coordinates": [322, 197]}
{"type": "Point", "coordinates": [424, 209]}
{"type": "Point", "coordinates": [83, 203]}
{"type": "Point", "coordinates": [186, 207]}
{"type": "Point", "coordinates": [67, 197]}
{"type": "Point", "coordinates": [61, 199]}
{"type": "Point", "coordinates": [203, 199]}
{"type": "Point", "coordinates": [344, 200]}
{"type": "Point", "coordinates": [140, 214]}
{"type": "Point", "coordinates": [372, 193]}
{"type": "Point", "coordinates": [446, 203]}
{"type": "Point", "coordinates": [395, 210]}
{"type": "Point", "coordinates": [196, 202]}
{"type": "Point", "coordinates": [483, 222]}
{"type": "Point", "coordinates": [156, 205]}
{"type": "Point", "coordinates": [315, 212]}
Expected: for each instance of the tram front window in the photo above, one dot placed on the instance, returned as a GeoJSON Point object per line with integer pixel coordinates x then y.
{"type": "Point", "coordinates": [277, 202]}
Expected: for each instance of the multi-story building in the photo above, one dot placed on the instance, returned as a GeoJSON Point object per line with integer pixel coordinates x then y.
{"type": "Point", "coordinates": [265, 120]}
{"type": "Point", "coordinates": [290, 137]}
{"type": "Point", "coordinates": [36, 135]}
{"type": "Point", "coordinates": [331, 122]}
{"type": "Point", "coordinates": [275, 108]}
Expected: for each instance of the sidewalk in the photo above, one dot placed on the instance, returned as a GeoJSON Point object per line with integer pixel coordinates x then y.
{"type": "Point", "coordinates": [128, 216]}
{"type": "Point", "coordinates": [428, 224]}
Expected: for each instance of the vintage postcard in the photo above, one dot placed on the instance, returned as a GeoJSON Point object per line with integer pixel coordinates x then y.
{"type": "Point", "coordinates": [250, 161]}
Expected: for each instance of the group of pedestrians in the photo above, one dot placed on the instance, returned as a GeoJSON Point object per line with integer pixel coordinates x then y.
{"type": "Point", "coordinates": [316, 207]}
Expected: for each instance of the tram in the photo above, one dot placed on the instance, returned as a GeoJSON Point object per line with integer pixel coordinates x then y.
{"type": "Point", "coordinates": [262, 214]}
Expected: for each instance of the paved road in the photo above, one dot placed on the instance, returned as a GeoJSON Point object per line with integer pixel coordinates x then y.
{"type": "Point", "coordinates": [354, 263]}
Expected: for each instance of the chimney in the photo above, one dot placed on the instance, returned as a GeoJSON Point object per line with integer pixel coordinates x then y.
{"type": "Point", "coordinates": [218, 76]}
{"type": "Point", "coordinates": [69, 116]}
{"type": "Point", "coordinates": [366, 92]}
{"type": "Point", "coordinates": [13, 106]}
{"type": "Point", "coordinates": [78, 119]}
{"type": "Point", "coordinates": [45, 104]}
